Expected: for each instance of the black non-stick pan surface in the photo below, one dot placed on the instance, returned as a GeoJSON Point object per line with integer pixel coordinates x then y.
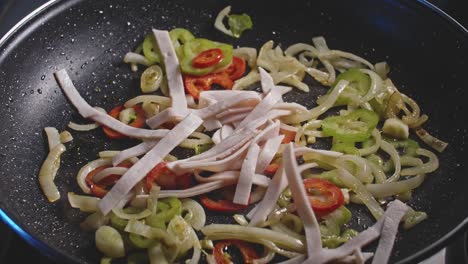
{"type": "Point", "coordinates": [426, 50]}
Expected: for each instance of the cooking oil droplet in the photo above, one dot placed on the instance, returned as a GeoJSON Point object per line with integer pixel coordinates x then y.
{"type": "Point", "coordinates": [43, 77]}
{"type": "Point", "coordinates": [39, 91]}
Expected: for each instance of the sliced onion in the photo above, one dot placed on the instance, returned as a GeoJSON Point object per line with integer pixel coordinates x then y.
{"type": "Point", "coordinates": [432, 141]}
{"type": "Point", "coordinates": [252, 77]}
{"type": "Point", "coordinates": [354, 184]}
{"type": "Point", "coordinates": [137, 227]}
{"type": "Point", "coordinates": [252, 234]}
{"type": "Point", "coordinates": [160, 100]}
{"type": "Point", "coordinates": [427, 167]}
{"type": "Point", "coordinates": [156, 254]}
{"type": "Point", "coordinates": [219, 25]}
{"type": "Point", "coordinates": [196, 139]}
{"type": "Point", "coordinates": [84, 203]}
{"type": "Point", "coordinates": [48, 172]}
{"type": "Point", "coordinates": [393, 188]}
{"type": "Point", "coordinates": [121, 214]}
{"type": "Point", "coordinates": [87, 127]}
{"type": "Point", "coordinates": [108, 172]}
{"type": "Point", "coordinates": [382, 69]}
{"type": "Point", "coordinates": [372, 149]}
{"type": "Point", "coordinates": [110, 242]}
{"type": "Point", "coordinates": [86, 169]}
{"type": "Point", "coordinates": [197, 214]}
{"type": "Point", "coordinates": [151, 79]}
{"type": "Point", "coordinates": [248, 54]}
{"type": "Point", "coordinates": [53, 137]}
{"type": "Point", "coordinates": [387, 147]}
{"type": "Point", "coordinates": [132, 57]}
{"type": "Point", "coordinates": [65, 137]}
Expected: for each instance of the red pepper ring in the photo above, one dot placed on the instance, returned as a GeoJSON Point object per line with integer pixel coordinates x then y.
{"type": "Point", "coordinates": [196, 84]}
{"type": "Point", "coordinates": [271, 169]}
{"type": "Point", "coordinates": [208, 58]}
{"type": "Point", "coordinates": [288, 136]}
{"type": "Point", "coordinates": [139, 121]}
{"type": "Point", "coordinates": [236, 69]}
{"type": "Point", "coordinates": [221, 257]}
{"type": "Point", "coordinates": [221, 205]}
{"type": "Point", "coordinates": [324, 196]}
{"type": "Point", "coordinates": [99, 189]}
{"type": "Point", "coordinates": [167, 179]}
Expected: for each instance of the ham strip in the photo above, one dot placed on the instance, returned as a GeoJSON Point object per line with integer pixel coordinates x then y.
{"type": "Point", "coordinates": [260, 213]}
{"type": "Point", "coordinates": [301, 200]}
{"type": "Point", "coordinates": [268, 153]}
{"type": "Point", "coordinates": [135, 151]}
{"type": "Point", "coordinates": [246, 99]}
{"type": "Point", "coordinates": [266, 104]}
{"type": "Point", "coordinates": [138, 171]}
{"type": "Point", "coordinates": [87, 111]}
{"type": "Point", "coordinates": [244, 183]}
{"type": "Point", "coordinates": [234, 111]}
{"type": "Point", "coordinates": [168, 115]}
{"type": "Point", "coordinates": [173, 73]}
{"type": "Point", "coordinates": [258, 179]}
{"type": "Point", "coordinates": [395, 212]}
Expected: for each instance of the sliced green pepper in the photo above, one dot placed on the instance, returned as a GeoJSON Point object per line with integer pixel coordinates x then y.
{"type": "Point", "coordinates": [336, 219]}
{"type": "Point", "coordinates": [356, 126]}
{"type": "Point", "coordinates": [359, 85]}
{"type": "Point", "coordinates": [180, 36]}
{"type": "Point", "coordinates": [194, 47]}
{"type": "Point", "coordinates": [160, 219]}
{"type": "Point", "coordinates": [345, 147]}
{"type": "Point", "coordinates": [331, 176]}
{"type": "Point", "coordinates": [239, 23]}
{"type": "Point", "coordinates": [119, 223]}
{"type": "Point", "coordinates": [150, 49]}
{"type": "Point", "coordinates": [140, 241]}
{"type": "Point", "coordinates": [330, 228]}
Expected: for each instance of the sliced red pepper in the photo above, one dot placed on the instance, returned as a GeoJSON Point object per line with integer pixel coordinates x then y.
{"type": "Point", "coordinates": [196, 84]}
{"type": "Point", "coordinates": [208, 58]}
{"type": "Point", "coordinates": [139, 121]}
{"type": "Point", "coordinates": [288, 136]}
{"type": "Point", "coordinates": [324, 196]}
{"type": "Point", "coordinates": [271, 169]}
{"type": "Point", "coordinates": [237, 68]}
{"type": "Point", "coordinates": [221, 205]}
{"type": "Point", "coordinates": [167, 179]}
{"type": "Point", "coordinates": [99, 189]}
{"type": "Point", "coordinates": [222, 257]}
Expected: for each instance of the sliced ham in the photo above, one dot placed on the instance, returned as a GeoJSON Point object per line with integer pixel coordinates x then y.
{"type": "Point", "coordinates": [260, 213]}
{"type": "Point", "coordinates": [245, 99]}
{"type": "Point", "coordinates": [258, 179]}
{"type": "Point", "coordinates": [168, 115]}
{"type": "Point", "coordinates": [301, 200]}
{"type": "Point", "coordinates": [244, 183]}
{"type": "Point", "coordinates": [135, 151]}
{"type": "Point", "coordinates": [87, 111]}
{"type": "Point", "coordinates": [392, 217]}
{"type": "Point", "coordinates": [173, 73]}
{"type": "Point", "coordinates": [139, 170]}
{"type": "Point", "coordinates": [267, 102]}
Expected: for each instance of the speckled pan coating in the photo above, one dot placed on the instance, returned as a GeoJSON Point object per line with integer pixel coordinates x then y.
{"type": "Point", "coordinates": [428, 56]}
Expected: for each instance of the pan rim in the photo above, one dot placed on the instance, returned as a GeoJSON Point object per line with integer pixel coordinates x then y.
{"type": "Point", "coordinates": [61, 257]}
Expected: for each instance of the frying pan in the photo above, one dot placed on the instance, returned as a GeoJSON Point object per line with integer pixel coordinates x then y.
{"type": "Point", "coordinates": [425, 48]}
